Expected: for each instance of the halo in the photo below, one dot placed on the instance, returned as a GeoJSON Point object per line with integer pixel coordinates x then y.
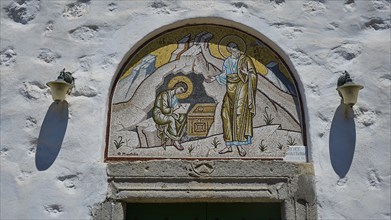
{"type": "Point", "coordinates": [185, 80]}
{"type": "Point", "coordinates": [231, 38]}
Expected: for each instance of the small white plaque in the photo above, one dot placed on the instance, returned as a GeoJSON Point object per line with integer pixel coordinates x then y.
{"type": "Point", "coordinates": [296, 154]}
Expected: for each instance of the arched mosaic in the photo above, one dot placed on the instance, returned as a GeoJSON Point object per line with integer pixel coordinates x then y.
{"type": "Point", "coordinates": [204, 92]}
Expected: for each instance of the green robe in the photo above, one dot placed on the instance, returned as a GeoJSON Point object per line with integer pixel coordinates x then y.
{"type": "Point", "coordinates": [167, 125]}
{"type": "Point", "coordinates": [238, 108]}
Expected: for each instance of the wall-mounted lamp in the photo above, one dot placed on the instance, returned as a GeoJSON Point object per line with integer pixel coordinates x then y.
{"type": "Point", "coordinates": [62, 86]}
{"type": "Point", "coordinates": [348, 90]}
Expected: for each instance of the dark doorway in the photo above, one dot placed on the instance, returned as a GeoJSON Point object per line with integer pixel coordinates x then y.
{"type": "Point", "coordinates": [203, 211]}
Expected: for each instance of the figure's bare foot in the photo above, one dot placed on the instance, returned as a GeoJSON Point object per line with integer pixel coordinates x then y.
{"type": "Point", "coordinates": [227, 149]}
{"type": "Point", "coordinates": [241, 151]}
{"type": "Point", "coordinates": [178, 146]}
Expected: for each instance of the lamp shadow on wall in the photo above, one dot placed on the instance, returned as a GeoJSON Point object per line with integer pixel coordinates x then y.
{"type": "Point", "coordinates": [51, 135]}
{"type": "Point", "coordinates": [342, 142]}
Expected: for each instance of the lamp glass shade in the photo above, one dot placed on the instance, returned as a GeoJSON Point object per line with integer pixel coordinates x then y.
{"type": "Point", "coordinates": [349, 92]}
{"type": "Point", "coordinates": [59, 89]}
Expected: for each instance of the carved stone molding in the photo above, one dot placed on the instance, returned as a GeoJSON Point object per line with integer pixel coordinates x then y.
{"type": "Point", "coordinates": [291, 184]}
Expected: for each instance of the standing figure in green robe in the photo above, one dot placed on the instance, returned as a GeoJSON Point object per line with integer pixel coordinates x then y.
{"type": "Point", "coordinates": [170, 125]}
{"type": "Point", "coordinates": [238, 108]}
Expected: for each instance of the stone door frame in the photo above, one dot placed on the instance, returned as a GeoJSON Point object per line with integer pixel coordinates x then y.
{"type": "Point", "coordinates": [181, 181]}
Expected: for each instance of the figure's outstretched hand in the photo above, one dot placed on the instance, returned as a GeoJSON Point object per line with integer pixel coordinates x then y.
{"type": "Point", "coordinates": [210, 79]}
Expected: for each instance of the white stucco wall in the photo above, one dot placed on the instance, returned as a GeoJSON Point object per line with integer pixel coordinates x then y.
{"type": "Point", "coordinates": [320, 38]}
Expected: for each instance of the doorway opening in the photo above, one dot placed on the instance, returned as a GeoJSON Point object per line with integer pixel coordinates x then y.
{"type": "Point", "coordinates": [203, 211]}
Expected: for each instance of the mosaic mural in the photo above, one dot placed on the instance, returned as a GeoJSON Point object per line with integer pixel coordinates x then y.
{"type": "Point", "coordinates": [204, 91]}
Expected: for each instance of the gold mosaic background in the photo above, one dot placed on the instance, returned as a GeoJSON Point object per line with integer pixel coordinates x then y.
{"type": "Point", "coordinates": [163, 46]}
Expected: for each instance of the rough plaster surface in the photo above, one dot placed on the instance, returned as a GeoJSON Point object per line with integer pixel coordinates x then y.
{"type": "Point", "coordinates": [91, 38]}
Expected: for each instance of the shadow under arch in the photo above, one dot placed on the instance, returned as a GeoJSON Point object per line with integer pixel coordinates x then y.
{"type": "Point", "coordinates": [51, 135]}
{"type": "Point", "coordinates": [342, 140]}
{"type": "Point", "coordinates": [139, 45]}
